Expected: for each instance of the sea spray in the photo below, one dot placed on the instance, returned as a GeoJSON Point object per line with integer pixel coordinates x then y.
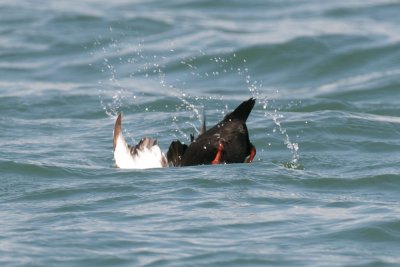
{"type": "Point", "coordinates": [154, 68]}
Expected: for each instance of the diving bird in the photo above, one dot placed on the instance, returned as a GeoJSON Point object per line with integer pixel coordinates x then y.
{"type": "Point", "coordinates": [146, 154]}
{"type": "Point", "coordinates": [226, 142]}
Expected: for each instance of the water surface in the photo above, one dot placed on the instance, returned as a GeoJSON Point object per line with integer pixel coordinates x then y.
{"type": "Point", "coordinates": [323, 190]}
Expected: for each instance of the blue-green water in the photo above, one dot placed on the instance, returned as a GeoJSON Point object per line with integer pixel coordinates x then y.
{"type": "Point", "coordinates": [324, 189]}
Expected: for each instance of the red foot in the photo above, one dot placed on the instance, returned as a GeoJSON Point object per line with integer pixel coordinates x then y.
{"type": "Point", "coordinates": [217, 159]}
{"type": "Point", "coordinates": [253, 152]}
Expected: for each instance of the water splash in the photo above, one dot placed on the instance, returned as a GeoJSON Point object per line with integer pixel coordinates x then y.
{"type": "Point", "coordinates": [154, 68]}
{"type": "Point", "coordinates": [255, 88]}
{"type": "Point", "coordinates": [293, 147]}
{"type": "Point", "coordinates": [112, 100]}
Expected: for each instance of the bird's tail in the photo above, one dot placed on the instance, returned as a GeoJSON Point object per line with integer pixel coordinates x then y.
{"type": "Point", "coordinates": [122, 152]}
{"type": "Point", "coordinates": [242, 112]}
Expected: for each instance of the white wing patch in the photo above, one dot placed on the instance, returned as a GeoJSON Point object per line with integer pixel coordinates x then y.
{"type": "Point", "coordinates": [144, 158]}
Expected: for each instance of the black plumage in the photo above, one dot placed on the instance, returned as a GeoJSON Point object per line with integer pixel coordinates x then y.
{"type": "Point", "coordinates": [229, 139]}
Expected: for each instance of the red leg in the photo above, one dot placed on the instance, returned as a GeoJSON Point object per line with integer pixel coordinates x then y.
{"type": "Point", "coordinates": [217, 159]}
{"type": "Point", "coordinates": [253, 152]}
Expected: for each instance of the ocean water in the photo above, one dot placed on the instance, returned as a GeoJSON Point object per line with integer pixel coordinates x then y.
{"type": "Point", "coordinates": [324, 189]}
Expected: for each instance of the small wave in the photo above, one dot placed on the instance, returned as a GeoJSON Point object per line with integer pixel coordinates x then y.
{"type": "Point", "coordinates": [356, 83]}
{"type": "Point", "coordinates": [370, 231]}
{"type": "Point", "coordinates": [385, 182]}
{"type": "Point", "coordinates": [375, 118]}
{"type": "Point", "coordinates": [34, 169]}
